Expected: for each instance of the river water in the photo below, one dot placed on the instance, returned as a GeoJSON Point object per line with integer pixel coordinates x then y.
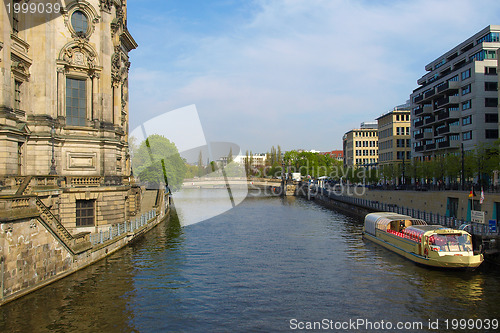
{"type": "Point", "coordinates": [270, 264]}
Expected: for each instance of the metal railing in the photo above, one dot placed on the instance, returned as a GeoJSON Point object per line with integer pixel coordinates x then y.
{"type": "Point", "coordinates": [431, 218]}
{"type": "Point", "coordinates": [120, 228]}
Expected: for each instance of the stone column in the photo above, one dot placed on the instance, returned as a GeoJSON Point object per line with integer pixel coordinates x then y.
{"type": "Point", "coordinates": [96, 110]}
{"type": "Point", "coordinates": [117, 103]}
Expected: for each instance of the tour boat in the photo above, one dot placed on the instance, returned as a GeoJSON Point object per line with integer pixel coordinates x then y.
{"type": "Point", "coordinates": [431, 245]}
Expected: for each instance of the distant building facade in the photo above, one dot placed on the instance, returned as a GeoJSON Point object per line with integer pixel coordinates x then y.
{"type": "Point", "coordinates": [360, 146]}
{"type": "Point", "coordinates": [394, 139]}
{"type": "Point", "coordinates": [257, 160]}
{"type": "Point", "coordinates": [64, 111]}
{"type": "Point", "coordinates": [457, 99]}
{"type": "Point", "coordinates": [336, 154]}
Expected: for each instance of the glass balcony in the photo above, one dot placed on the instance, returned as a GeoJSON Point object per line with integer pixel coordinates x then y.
{"type": "Point", "coordinates": [444, 144]}
{"type": "Point", "coordinates": [428, 109]}
{"type": "Point", "coordinates": [430, 120]}
{"type": "Point", "coordinates": [450, 85]}
{"type": "Point", "coordinates": [448, 100]}
{"type": "Point", "coordinates": [449, 144]}
{"type": "Point", "coordinates": [428, 95]}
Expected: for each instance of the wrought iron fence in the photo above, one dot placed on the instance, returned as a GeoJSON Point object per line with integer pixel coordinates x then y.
{"type": "Point", "coordinates": [431, 218]}
{"type": "Point", "coordinates": [116, 230]}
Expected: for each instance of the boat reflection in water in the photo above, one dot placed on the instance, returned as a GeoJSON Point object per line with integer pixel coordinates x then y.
{"type": "Point", "coordinates": [431, 245]}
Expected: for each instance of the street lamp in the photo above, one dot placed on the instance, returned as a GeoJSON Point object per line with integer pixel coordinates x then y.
{"type": "Point", "coordinates": [53, 161]}
{"type": "Point", "coordinates": [462, 175]}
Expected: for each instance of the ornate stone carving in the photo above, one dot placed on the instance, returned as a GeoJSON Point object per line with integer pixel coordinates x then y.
{"type": "Point", "coordinates": [106, 5]}
{"type": "Point", "coordinates": [20, 68]}
{"type": "Point", "coordinates": [89, 11]}
{"type": "Point", "coordinates": [124, 93]}
{"type": "Point", "coordinates": [79, 59]}
{"type": "Point", "coordinates": [79, 54]}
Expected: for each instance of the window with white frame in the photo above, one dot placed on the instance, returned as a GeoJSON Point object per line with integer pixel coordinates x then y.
{"type": "Point", "coordinates": [76, 102]}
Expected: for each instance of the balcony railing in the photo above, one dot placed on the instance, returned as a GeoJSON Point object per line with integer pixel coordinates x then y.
{"type": "Point", "coordinates": [425, 109]}
{"type": "Point", "coordinates": [454, 114]}
{"type": "Point", "coordinates": [444, 129]}
{"type": "Point", "coordinates": [429, 94]}
{"type": "Point", "coordinates": [443, 115]}
{"type": "Point", "coordinates": [419, 98]}
{"type": "Point", "coordinates": [448, 100]}
{"type": "Point", "coordinates": [430, 146]}
{"type": "Point", "coordinates": [84, 181]}
{"type": "Point", "coordinates": [430, 120]}
{"type": "Point", "coordinates": [419, 148]}
{"type": "Point", "coordinates": [419, 136]}
{"type": "Point", "coordinates": [444, 144]}
{"type": "Point", "coordinates": [428, 109]}
{"type": "Point", "coordinates": [450, 85]}
{"type": "Point", "coordinates": [419, 123]}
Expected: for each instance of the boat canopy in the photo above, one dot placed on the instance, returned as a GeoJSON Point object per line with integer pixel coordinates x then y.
{"type": "Point", "coordinates": [421, 229]}
{"type": "Point", "coordinates": [383, 220]}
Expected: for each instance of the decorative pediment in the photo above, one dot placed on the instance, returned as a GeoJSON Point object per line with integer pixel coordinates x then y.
{"type": "Point", "coordinates": [20, 68]}
{"type": "Point", "coordinates": [79, 54]}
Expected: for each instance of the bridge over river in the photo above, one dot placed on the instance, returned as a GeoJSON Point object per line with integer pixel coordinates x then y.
{"type": "Point", "coordinates": [239, 182]}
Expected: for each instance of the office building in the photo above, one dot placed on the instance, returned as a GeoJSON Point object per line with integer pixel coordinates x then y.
{"type": "Point", "coordinates": [360, 146]}
{"type": "Point", "coordinates": [457, 99]}
{"type": "Point", "coordinates": [394, 136]}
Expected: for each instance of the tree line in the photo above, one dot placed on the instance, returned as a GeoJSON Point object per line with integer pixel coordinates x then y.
{"type": "Point", "coordinates": [156, 160]}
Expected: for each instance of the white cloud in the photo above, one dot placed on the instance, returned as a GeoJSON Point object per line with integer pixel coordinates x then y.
{"type": "Point", "coordinates": [296, 66]}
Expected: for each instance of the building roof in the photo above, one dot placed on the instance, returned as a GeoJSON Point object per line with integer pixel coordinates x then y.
{"type": "Point", "coordinates": [334, 153]}
{"type": "Point", "coordinates": [369, 125]}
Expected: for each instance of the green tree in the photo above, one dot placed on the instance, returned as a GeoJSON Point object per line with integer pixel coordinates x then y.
{"type": "Point", "coordinates": [487, 160]}
{"type": "Point", "coordinates": [201, 169]}
{"type": "Point", "coordinates": [158, 159]}
{"type": "Point", "coordinates": [453, 166]}
{"type": "Point", "coordinates": [247, 163]}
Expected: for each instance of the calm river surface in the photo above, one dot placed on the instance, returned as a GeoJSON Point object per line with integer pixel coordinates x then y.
{"type": "Point", "coordinates": [268, 265]}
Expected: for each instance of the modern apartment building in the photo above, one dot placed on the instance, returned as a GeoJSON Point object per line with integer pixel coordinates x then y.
{"type": "Point", "coordinates": [361, 146]}
{"type": "Point", "coordinates": [457, 99]}
{"type": "Point", "coordinates": [394, 136]}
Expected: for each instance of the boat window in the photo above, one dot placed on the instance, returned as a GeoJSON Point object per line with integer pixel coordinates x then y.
{"type": "Point", "coordinates": [451, 243]}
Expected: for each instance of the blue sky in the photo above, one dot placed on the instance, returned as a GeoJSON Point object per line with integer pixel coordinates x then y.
{"type": "Point", "coordinates": [295, 73]}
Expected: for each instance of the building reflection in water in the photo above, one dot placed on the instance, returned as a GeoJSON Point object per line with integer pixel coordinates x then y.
{"type": "Point", "coordinates": [96, 299]}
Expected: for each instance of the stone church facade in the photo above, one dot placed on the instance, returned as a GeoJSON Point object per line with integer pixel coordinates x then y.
{"type": "Point", "coordinates": [64, 111]}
